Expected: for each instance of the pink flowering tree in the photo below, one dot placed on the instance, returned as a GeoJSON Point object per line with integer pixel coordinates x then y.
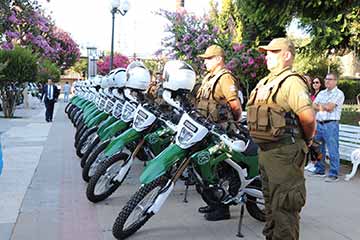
{"type": "Point", "coordinates": [25, 25]}
{"type": "Point", "coordinates": [118, 61]}
{"type": "Point", "coordinates": [189, 36]}
{"type": "Point", "coordinates": [247, 64]}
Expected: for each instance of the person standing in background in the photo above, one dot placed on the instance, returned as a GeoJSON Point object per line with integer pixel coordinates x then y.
{"type": "Point", "coordinates": [66, 90]}
{"type": "Point", "coordinates": [327, 105]}
{"type": "Point", "coordinates": [316, 86]}
{"type": "Point", "coordinates": [50, 94]}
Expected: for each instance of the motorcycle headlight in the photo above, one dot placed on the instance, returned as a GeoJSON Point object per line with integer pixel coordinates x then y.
{"type": "Point", "coordinates": [127, 114]}
{"type": "Point", "coordinates": [117, 110]}
{"type": "Point", "coordinates": [140, 119]}
{"type": "Point", "coordinates": [184, 136]}
{"type": "Point", "coordinates": [109, 105]}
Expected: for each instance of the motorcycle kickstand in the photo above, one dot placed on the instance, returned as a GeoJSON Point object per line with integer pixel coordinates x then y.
{"type": "Point", "coordinates": [186, 193]}
{"type": "Point", "coordinates": [239, 234]}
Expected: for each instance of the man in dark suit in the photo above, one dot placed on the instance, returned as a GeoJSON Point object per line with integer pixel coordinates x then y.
{"type": "Point", "coordinates": [50, 94]}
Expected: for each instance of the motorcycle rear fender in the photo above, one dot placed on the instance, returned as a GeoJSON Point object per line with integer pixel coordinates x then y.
{"type": "Point", "coordinates": [162, 163]}
{"type": "Point", "coordinates": [112, 130]}
{"type": "Point", "coordinates": [97, 120]}
{"type": "Point", "coordinates": [120, 141]}
{"type": "Point", "coordinates": [110, 120]}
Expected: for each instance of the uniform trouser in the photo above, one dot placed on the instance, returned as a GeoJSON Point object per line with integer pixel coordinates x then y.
{"type": "Point", "coordinates": [282, 174]}
{"type": "Point", "coordinates": [49, 105]}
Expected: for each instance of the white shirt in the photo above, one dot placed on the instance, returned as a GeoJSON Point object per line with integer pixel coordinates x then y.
{"type": "Point", "coordinates": [50, 92]}
{"type": "Point", "coordinates": [335, 96]}
{"type": "Point", "coordinates": [67, 88]}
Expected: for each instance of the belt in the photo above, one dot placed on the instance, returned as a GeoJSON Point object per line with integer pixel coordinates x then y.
{"type": "Point", "coordinates": [327, 121]}
{"type": "Point", "coordinates": [272, 145]}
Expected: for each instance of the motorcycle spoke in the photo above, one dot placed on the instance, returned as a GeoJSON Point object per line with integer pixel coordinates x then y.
{"type": "Point", "coordinates": [101, 158]}
{"type": "Point", "coordinates": [106, 181]}
{"type": "Point", "coordinates": [139, 212]}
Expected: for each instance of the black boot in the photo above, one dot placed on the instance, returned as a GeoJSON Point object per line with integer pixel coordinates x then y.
{"type": "Point", "coordinates": [206, 209]}
{"type": "Point", "coordinates": [219, 213]}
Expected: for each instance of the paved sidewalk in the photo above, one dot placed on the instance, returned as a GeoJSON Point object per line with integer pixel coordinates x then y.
{"type": "Point", "coordinates": [55, 206]}
{"type": "Point", "coordinates": [22, 145]}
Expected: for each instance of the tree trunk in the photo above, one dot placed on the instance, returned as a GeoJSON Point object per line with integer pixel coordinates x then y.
{"type": "Point", "coordinates": [8, 98]}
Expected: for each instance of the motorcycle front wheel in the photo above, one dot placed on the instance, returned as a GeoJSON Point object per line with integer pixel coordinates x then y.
{"type": "Point", "coordinates": [134, 214]}
{"type": "Point", "coordinates": [102, 183]}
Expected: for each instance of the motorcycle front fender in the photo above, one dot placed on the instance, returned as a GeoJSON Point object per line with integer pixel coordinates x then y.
{"type": "Point", "coordinates": [90, 112]}
{"type": "Point", "coordinates": [80, 102]}
{"type": "Point", "coordinates": [110, 120]}
{"type": "Point", "coordinates": [97, 120]}
{"type": "Point", "coordinates": [162, 163]}
{"type": "Point", "coordinates": [120, 141]}
{"type": "Point", "coordinates": [110, 131]}
{"type": "Point", "coordinates": [74, 99]}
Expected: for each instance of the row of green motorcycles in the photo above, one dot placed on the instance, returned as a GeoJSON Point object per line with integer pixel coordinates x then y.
{"type": "Point", "coordinates": [117, 123]}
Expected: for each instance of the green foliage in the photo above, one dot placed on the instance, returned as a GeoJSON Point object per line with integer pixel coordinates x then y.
{"type": "Point", "coordinates": [228, 19]}
{"type": "Point", "coordinates": [264, 20]}
{"type": "Point", "coordinates": [21, 66]}
{"type": "Point", "coordinates": [153, 65]}
{"type": "Point", "coordinates": [331, 24]}
{"type": "Point", "coordinates": [351, 89]}
{"type": "Point", "coordinates": [350, 114]}
{"type": "Point", "coordinates": [316, 65]}
{"type": "Point", "coordinates": [80, 66]}
{"type": "Point", "coordinates": [48, 69]}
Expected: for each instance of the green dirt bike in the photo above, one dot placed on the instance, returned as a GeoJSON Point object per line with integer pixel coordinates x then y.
{"type": "Point", "coordinates": [89, 138]}
{"type": "Point", "coordinates": [150, 133]}
{"type": "Point", "coordinates": [107, 129]}
{"type": "Point", "coordinates": [224, 168]}
{"type": "Point", "coordinates": [108, 137]}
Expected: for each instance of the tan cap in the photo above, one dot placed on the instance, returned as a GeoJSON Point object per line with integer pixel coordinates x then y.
{"type": "Point", "coordinates": [212, 51]}
{"type": "Point", "coordinates": [279, 44]}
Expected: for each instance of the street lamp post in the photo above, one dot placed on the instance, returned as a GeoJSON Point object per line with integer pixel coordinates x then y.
{"type": "Point", "coordinates": [92, 58]}
{"type": "Point", "coordinates": [117, 6]}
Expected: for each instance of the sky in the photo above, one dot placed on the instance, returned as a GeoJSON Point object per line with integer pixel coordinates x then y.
{"type": "Point", "coordinates": [140, 31]}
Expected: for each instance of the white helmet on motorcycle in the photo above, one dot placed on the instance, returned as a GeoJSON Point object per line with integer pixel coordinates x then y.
{"type": "Point", "coordinates": [120, 77]}
{"type": "Point", "coordinates": [178, 75]}
{"type": "Point", "coordinates": [137, 76]}
{"type": "Point", "coordinates": [96, 81]}
{"type": "Point", "coordinates": [104, 82]}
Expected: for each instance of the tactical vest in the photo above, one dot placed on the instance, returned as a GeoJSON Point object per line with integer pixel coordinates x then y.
{"type": "Point", "coordinates": [207, 105]}
{"type": "Point", "coordinates": [268, 121]}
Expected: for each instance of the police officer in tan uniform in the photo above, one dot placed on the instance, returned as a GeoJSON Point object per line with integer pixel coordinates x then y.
{"type": "Point", "coordinates": [217, 99]}
{"type": "Point", "coordinates": [282, 121]}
